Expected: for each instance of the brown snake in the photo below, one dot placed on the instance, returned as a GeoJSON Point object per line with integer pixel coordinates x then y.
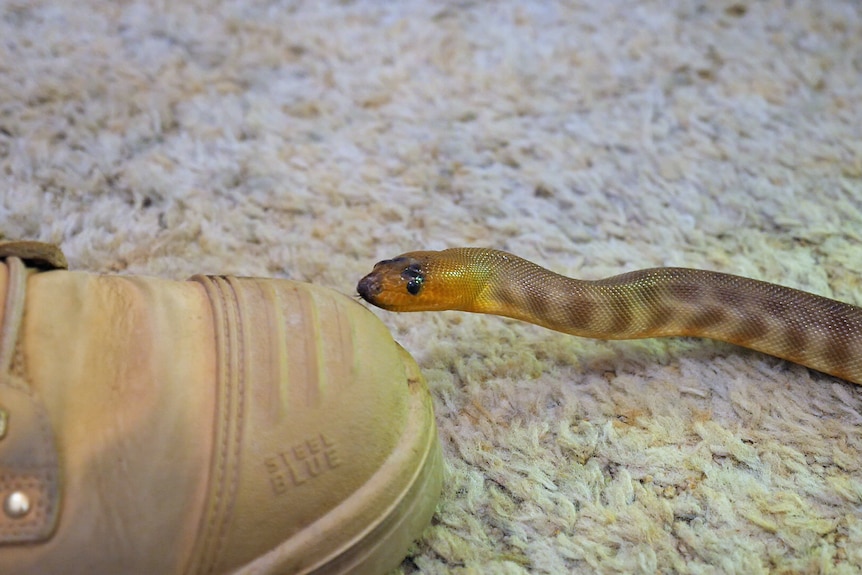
{"type": "Point", "coordinates": [817, 332]}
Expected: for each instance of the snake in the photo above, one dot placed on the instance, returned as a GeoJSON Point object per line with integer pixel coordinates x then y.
{"type": "Point", "coordinates": [815, 331]}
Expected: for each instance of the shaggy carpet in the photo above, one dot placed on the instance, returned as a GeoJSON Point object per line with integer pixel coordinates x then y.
{"type": "Point", "coordinates": [310, 139]}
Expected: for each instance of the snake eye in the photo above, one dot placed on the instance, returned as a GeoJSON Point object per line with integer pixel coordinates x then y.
{"type": "Point", "coordinates": [414, 285]}
{"type": "Point", "coordinates": [414, 277]}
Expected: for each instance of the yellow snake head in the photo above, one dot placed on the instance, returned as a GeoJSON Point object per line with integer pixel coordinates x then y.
{"type": "Point", "coordinates": [421, 281]}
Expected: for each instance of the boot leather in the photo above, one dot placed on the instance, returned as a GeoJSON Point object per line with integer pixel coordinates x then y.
{"type": "Point", "coordinates": [219, 425]}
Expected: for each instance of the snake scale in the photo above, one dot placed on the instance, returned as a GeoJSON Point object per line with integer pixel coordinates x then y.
{"type": "Point", "coordinates": [817, 332]}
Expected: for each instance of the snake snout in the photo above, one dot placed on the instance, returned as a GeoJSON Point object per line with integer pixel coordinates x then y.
{"type": "Point", "coordinates": [369, 287]}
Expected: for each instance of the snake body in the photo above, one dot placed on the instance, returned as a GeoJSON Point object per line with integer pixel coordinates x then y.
{"type": "Point", "coordinates": [817, 332]}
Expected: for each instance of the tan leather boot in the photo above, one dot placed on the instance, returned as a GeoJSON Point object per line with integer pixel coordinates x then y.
{"type": "Point", "coordinates": [219, 425]}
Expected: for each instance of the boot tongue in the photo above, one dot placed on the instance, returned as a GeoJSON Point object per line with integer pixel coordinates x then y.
{"type": "Point", "coordinates": [35, 254]}
{"type": "Point", "coordinates": [12, 312]}
{"type": "Point", "coordinates": [17, 253]}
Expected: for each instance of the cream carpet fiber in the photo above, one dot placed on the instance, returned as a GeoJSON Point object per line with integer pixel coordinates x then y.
{"type": "Point", "coordinates": [309, 140]}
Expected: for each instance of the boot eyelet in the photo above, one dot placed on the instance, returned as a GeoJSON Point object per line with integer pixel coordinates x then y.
{"type": "Point", "coordinates": [17, 504]}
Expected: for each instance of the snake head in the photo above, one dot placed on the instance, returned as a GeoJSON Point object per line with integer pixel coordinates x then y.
{"type": "Point", "coordinates": [415, 281]}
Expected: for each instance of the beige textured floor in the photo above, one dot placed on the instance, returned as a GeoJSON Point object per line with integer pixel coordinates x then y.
{"type": "Point", "coordinates": [308, 140]}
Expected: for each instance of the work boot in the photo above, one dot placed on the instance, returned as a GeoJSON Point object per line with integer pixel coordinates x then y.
{"type": "Point", "coordinates": [217, 425]}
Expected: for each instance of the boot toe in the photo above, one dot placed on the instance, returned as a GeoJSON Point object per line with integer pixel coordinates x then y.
{"type": "Point", "coordinates": [327, 457]}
